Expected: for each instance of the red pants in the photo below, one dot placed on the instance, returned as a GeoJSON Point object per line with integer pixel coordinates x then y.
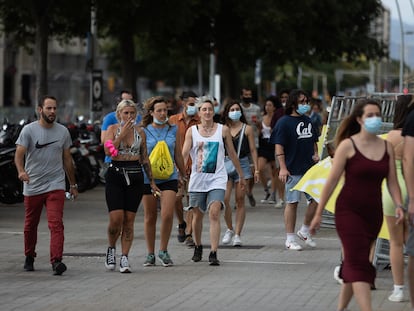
{"type": "Point", "coordinates": [54, 202]}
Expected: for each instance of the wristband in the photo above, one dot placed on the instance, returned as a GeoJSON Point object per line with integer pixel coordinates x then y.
{"type": "Point", "coordinates": [400, 206]}
{"type": "Point", "coordinates": [74, 186]}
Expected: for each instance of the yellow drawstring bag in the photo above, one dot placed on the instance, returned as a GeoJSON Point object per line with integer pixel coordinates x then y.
{"type": "Point", "coordinates": [162, 165]}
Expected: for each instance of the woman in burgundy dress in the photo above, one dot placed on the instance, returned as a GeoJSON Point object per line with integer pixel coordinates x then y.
{"type": "Point", "coordinates": [366, 160]}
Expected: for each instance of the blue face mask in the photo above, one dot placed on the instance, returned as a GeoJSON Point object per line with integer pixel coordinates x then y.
{"type": "Point", "coordinates": [235, 115]}
{"type": "Point", "coordinates": [191, 110]}
{"type": "Point", "coordinates": [216, 109]}
{"type": "Point", "coordinates": [302, 109]}
{"type": "Point", "coordinates": [373, 125]}
{"type": "Point", "coordinates": [156, 121]}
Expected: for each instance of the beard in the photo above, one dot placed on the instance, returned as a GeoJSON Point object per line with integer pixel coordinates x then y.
{"type": "Point", "coordinates": [47, 119]}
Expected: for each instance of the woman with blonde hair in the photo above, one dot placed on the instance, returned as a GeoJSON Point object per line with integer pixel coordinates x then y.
{"type": "Point", "coordinates": [125, 143]}
{"type": "Point", "coordinates": [205, 144]}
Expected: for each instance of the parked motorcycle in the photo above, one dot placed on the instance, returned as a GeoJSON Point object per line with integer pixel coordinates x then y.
{"type": "Point", "coordinates": [11, 188]}
{"type": "Point", "coordinates": [83, 173]}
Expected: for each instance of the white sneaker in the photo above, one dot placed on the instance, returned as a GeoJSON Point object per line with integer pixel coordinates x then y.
{"type": "Point", "coordinates": [293, 246]}
{"type": "Point", "coordinates": [266, 197]}
{"type": "Point", "coordinates": [307, 238]}
{"type": "Point", "coordinates": [279, 203]}
{"type": "Point", "coordinates": [228, 236]}
{"type": "Point", "coordinates": [237, 241]}
{"type": "Point", "coordinates": [396, 296]}
{"type": "Point", "coordinates": [124, 265]}
{"type": "Point", "coordinates": [336, 275]}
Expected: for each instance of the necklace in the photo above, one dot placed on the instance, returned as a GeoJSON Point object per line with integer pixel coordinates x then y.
{"type": "Point", "coordinates": [208, 129]}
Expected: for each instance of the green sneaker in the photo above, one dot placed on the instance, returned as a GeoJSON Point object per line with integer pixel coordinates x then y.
{"type": "Point", "coordinates": [150, 261]}
{"type": "Point", "coordinates": [165, 259]}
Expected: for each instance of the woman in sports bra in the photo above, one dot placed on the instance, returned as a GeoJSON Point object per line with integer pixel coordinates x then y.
{"type": "Point", "coordinates": [125, 142]}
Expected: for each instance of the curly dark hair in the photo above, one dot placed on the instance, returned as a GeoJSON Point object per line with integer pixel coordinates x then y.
{"type": "Point", "coordinates": [149, 107]}
{"type": "Point", "coordinates": [292, 102]}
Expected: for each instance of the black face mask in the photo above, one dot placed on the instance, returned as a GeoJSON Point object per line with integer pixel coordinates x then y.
{"type": "Point", "coordinates": [247, 100]}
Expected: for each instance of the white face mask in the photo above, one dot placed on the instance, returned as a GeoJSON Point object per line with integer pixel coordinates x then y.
{"type": "Point", "coordinates": [302, 109]}
{"type": "Point", "coordinates": [191, 110]}
{"type": "Point", "coordinates": [373, 125]}
{"type": "Point", "coordinates": [159, 122]}
{"type": "Point", "coordinates": [235, 115]}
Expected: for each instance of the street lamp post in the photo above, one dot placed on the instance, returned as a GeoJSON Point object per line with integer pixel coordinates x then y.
{"type": "Point", "coordinates": [402, 48]}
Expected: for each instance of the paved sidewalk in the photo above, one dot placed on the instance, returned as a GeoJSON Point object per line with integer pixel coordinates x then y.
{"type": "Point", "coordinates": [260, 275]}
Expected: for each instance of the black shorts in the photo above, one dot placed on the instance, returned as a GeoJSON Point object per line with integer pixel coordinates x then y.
{"type": "Point", "coordinates": [168, 185]}
{"type": "Point", "coordinates": [266, 150]}
{"type": "Point", "coordinates": [124, 184]}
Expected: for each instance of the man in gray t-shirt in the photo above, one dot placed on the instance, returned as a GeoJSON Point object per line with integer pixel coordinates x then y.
{"type": "Point", "coordinates": [42, 157]}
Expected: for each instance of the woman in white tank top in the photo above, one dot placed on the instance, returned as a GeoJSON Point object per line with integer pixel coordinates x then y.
{"type": "Point", "coordinates": [205, 144]}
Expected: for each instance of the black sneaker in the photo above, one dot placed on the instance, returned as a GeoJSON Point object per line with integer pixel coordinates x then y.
{"type": "Point", "coordinates": [58, 267]}
{"type": "Point", "coordinates": [28, 263]}
{"type": "Point", "coordinates": [252, 200]}
{"type": "Point", "coordinates": [110, 261]}
{"type": "Point", "coordinates": [212, 259]}
{"type": "Point", "coordinates": [181, 232]}
{"type": "Point", "coordinates": [198, 253]}
{"type": "Point", "coordinates": [189, 241]}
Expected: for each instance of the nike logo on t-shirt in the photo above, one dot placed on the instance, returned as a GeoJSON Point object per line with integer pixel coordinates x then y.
{"type": "Point", "coordinates": [38, 146]}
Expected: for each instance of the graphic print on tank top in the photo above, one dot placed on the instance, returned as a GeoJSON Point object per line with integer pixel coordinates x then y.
{"type": "Point", "coordinates": [207, 156]}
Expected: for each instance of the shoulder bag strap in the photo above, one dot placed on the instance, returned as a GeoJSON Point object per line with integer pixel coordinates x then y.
{"type": "Point", "coordinates": [241, 139]}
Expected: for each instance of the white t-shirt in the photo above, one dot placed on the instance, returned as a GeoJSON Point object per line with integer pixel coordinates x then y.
{"type": "Point", "coordinates": [253, 115]}
{"type": "Point", "coordinates": [207, 156]}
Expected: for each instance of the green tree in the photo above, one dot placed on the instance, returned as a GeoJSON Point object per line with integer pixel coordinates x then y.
{"type": "Point", "coordinates": [149, 27]}
{"type": "Point", "coordinates": [32, 23]}
{"type": "Point", "coordinates": [240, 31]}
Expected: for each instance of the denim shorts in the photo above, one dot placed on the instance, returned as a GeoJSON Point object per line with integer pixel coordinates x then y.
{"type": "Point", "coordinates": [203, 200]}
{"type": "Point", "coordinates": [293, 196]}
{"type": "Point", "coordinates": [246, 168]}
{"type": "Point", "coordinates": [409, 245]}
